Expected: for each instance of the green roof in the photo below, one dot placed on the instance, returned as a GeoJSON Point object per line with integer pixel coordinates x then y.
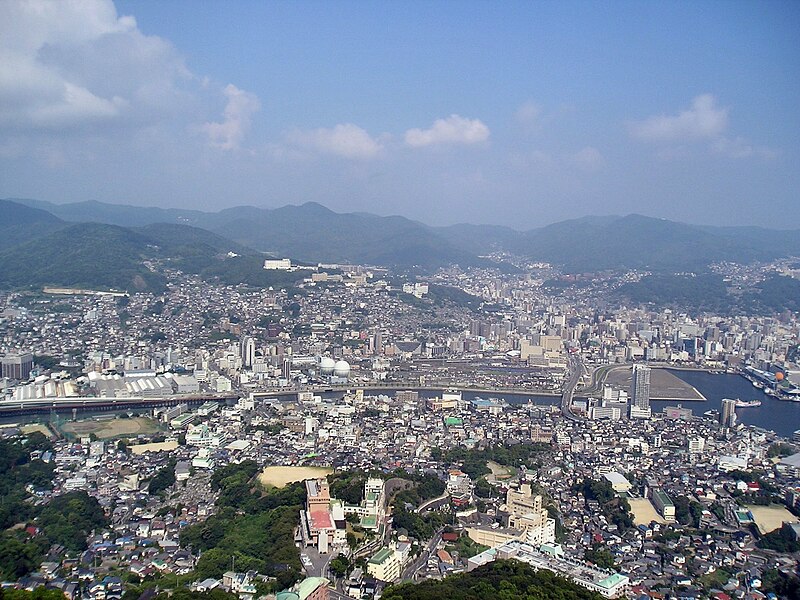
{"type": "Point", "coordinates": [452, 421]}
{"type": "Point", "coordinates": [744, 516]}
{"type": "Point", "coordinates": [612, 580]}
{"type": "Point", "coordinates": [306, 587]}
{"type": "Point", "coordinates": [369, 521]}
{"type": "Point", "coordinates": [665, 500]}
{"type": "Point", "coordinates": [381, 556]}
{"type": "Point", "coordinates": [552, 549]}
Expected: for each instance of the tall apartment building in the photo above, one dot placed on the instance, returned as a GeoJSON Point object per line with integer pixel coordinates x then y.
{"type": "Point", "coordinates": [640, 387]}
{"type": "Point", "coordinates": [16, 366]}
{"type": "Point", "coordinates": [410, 396]}
{"type": "Point", "coordinates": [384, 565]}
{"type": "Point", "coordinates": [247, 351]}
{"type": "Point", "coordinates": [727, 413]}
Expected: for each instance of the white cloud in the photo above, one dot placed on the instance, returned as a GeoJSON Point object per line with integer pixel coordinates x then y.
{"type": "Point", "coordinates": [529, 115]}
{"type": "Point", "coordinates": [452, 130]}
{"type": "Point", "coordinates": [704, 120]}
{"type": "Point", "coordinates": [345, 140]}
{"type": "Point", "coordinates": [740, 148]}
{"type": "Point", "coordinates": [240, 107]}
{"type": "Point", "coordinates": [588, 158]}
{"type": "Point", "coordinates": [69, 65]}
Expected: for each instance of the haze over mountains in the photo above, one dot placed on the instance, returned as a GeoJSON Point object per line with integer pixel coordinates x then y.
{"type": "Point", "coordinates": [45, 243]}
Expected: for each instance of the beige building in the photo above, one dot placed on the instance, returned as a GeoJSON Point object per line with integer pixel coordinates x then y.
{"type": "Point", "coordinates": [528, 521]}
{"type": "Point", "coordinates": [384, 565]}
{"type": "Point", "coordinates": [663, 504]}
{"type": "Point", "coordinates": [527, 514]}
{"type": "Point", "coordinates": [488, 536]}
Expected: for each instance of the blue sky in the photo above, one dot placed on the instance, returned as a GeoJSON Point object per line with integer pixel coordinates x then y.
{"type": "Point", "coordinates": [519, 114]}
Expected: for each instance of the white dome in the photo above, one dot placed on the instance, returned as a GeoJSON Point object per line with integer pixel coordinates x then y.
{"type": "Point", "coordinates": [341, 369]}
{"type": "Point", "coordinates": [327, 365]}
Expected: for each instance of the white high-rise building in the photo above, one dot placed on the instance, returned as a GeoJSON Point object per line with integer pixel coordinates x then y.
{"type": "Point", "coordinates": [247, 349]}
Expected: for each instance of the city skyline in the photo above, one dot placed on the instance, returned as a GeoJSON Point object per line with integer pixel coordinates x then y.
{"type": "Point", "coordinates": [523, 116]}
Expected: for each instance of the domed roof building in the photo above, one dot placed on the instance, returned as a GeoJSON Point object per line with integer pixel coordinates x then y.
{"type": "Point", "coordinates": [327, 365]}
{"type": "Point", "coordinates": [341, 369]}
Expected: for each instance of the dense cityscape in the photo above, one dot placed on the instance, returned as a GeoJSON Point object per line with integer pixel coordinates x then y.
{"type": "Point", "coordinates": [399, 300]}
{"type": "Point", "coordinates": [396, 429]}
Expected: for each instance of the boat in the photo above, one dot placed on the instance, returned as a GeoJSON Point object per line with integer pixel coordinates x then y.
{"type": "Point", "coordinates": [758, 385]}
{"type": "Point", "coordinates": [745, 404]}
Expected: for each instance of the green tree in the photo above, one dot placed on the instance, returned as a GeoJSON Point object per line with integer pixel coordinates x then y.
{"type": "Point", "coordinates": [600, 556]}
{"type": "Point", "coordinates": [163, 479]}
{"type": "Point", "coordinates": [340, 566]}
{"type": "Point", "coordinates": [500, 579]}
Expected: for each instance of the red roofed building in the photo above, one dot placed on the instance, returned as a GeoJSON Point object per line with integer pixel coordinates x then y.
{"type": "Point", "coordinates": [317, 527]}
{"type": "Point", "coordinates": [321, 519]}
{"type": "Point", "coordinates": [444, 556]}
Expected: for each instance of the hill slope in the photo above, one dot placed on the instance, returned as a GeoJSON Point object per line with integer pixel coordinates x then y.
{"type": "Point", "coordinates": [639, 242]}
{"type": "Point", "coordinates": [313, 233]}
{"type": "Point", "coordinates": [102, 256]}
{"type": "Point", "coordinates": [309, 232]}
{"type": "Point", "coordinates": [500, 579]}
{"type": "Point", "coordinates": [123, 215]}
{"type": "Point", "coordinates": [20, 223]}
{"type": "Point", "coordinates": [84, 255]}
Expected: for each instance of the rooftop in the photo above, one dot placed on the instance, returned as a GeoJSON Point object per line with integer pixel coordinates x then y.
{"type": "Point", "coordinates": [382, 555]}
{"type": "Point", "coordinates": [321, 519]}
{"type": "Point", "coordinates": [663, 498]}
{"type": "Point", "coordinates": [309, 585]}
{"type": "Point", "coordinates": [792, 461]}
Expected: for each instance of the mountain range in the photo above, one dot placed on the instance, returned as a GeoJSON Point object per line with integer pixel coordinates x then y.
{"type": "Point", "coordinates": [63, 244]}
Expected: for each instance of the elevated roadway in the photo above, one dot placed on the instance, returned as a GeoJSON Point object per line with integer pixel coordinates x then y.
{"type": "Point", "coordinates": [434, 503]}
{"type": "Point", "coordinates": [80, 404]}
{"type": "Point", "coordinates": [576, 370]}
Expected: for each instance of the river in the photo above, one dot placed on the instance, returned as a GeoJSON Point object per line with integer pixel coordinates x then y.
{"type": "Point", "coordinates": [780, 416]}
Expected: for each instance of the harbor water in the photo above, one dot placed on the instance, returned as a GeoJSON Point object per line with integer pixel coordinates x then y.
{"type": "Point", "coordinates": [780, 416]}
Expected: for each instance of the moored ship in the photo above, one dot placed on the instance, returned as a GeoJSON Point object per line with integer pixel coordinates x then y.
{"type": "Point", "coordinates": [745, 404]}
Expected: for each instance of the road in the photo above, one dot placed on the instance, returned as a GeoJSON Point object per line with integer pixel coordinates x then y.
{"type": "Point", "coordinates": [599, 376]}
{"type": "Point", "coordinates": [576, 370]}
{"type": "Point", "coordinates": [434, 501]}
{"type": "Point", "coordinates": [410, 571]}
